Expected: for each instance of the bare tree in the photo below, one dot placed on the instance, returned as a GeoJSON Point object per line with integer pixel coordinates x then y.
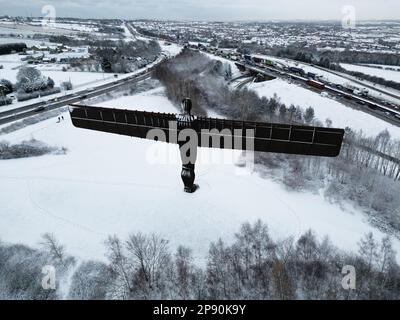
{"type": "Point", "coordinates": [51, 245]}
{"type": "Point", "coordinates": [149, 255]}
{"type": "Point", "coordinates": [119, 264]}
{"type": "Point", "coordinates": [184, 272]}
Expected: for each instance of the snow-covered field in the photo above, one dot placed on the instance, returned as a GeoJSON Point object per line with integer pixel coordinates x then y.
{"type": "Point", "coordinates": [385, 74]}
{"type": "Point", "coordinates": [16, 29]}
{"type": "Point", "coordinates": [30, 29]}
{"type": "Point", "coordinates": [12, 62]}
{"type": "Point", "coordinates": [77, 27]}
{"type": "Point", "coordinates": [77, 78]}
{"type": "Point", "coordinates": [109, 184]}
{"type": "Point", "coordinates": [324, 107]}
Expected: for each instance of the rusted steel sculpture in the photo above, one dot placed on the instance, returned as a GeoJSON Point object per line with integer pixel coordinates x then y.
{"type": "Point", "coordinates": [190, 132]}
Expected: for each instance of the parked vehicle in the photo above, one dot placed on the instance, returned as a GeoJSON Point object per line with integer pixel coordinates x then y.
{"type": "Point", "coordinates": [316, 84]}
{"type": "Point", "coordinates": [311, 75]}
{"type": "Point", "coordinates": [40, 109]}
{"type": "Point", "coordinates": [248, 59]}
{"type": "Point", "coordinates": [269, 62]}
{"type": "Point", "coordinates": [296, 70]}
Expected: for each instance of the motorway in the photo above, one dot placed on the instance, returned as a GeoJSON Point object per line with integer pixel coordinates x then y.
{"type": "Point", "coordinates": [355, 80]}
{"type": "Point", "coordinates": [55, 103]}
{"type": "Point", "coordinates": [372, 107]}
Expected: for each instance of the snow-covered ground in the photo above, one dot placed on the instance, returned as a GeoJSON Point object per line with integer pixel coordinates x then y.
{"type": "Point", "coordinates": [385, 74]}
{"type": "Point", "coordinates": [109, 184]}
{"type": "Point", "coordinates": [30, 29]}
{"type": "Point", "coordinates": [77, 27]}
{"type": "Point", "coordinates": [235, 71]}
{"type": "Point", "coordinates": [170, 50]}
{"type": "Point", "coordinates": [12, 62]}
{"type": "Point", "coordinates": [325, 107]}
{"type": "Point", "coordinates": [77, 78]}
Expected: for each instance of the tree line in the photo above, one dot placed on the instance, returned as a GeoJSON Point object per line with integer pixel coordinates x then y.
{"type": "Point", "coordinates": [121, 56]}
{"type": "Point", "coordinates": [253, 266]}
{"type": "Point", "coordinates": [7, 48]}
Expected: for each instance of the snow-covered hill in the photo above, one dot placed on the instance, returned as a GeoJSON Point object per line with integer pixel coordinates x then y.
{"type": "Point", "coordinates": [109, 184]}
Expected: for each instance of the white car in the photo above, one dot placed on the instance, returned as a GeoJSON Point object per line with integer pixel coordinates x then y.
{"type": "Point", "coordinates": [324, 94]}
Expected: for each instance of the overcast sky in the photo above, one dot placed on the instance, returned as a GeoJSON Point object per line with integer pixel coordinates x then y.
{"type": "Point", "coordinates": [207, 9]}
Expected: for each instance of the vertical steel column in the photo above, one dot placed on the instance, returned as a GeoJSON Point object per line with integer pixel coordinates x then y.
{"type": "Point", "coordinates": [185, 121]}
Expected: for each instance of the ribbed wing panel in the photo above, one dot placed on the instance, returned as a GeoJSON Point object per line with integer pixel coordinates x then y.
{"type": "Point", "coordinates": [118, 121]}
{"type": "Point", "coordinates": [214, 133]}
{"type": "Point", "coordinates": [269, 137]}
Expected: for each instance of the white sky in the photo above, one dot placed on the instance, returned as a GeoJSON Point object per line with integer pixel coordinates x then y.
{"type": "Point", "coordinates": [208, 9]}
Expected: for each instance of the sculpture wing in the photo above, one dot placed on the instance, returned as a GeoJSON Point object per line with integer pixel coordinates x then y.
{"type": "Point", "coordinates": [215, 133]}
{"type": "Point", "coordinates": [270, 137]}
{"type": "Point", "coordinates": [123, 122]}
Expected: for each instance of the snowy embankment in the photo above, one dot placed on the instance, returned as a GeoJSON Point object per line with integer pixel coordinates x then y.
{"type": "Point", "coordinates": [235, 71]}
{"type": "Point", "coordinates": [325, 107]}
{"type": "Point", "coordinates": [381, 73]}
{"type": "Point", "coordinates": [108, 184]}
{"type": "Point", "coordinates": [336, 78]}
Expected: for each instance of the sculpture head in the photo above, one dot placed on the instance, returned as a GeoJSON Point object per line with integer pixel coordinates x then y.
{"type": "Point", "coordinates": [186, 105]}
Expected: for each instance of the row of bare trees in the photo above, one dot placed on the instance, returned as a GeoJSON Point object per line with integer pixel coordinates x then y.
{"type": "Point", "coordinates": [252, 266]}
{"type": "Point", "coordinates": [121, 56]}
